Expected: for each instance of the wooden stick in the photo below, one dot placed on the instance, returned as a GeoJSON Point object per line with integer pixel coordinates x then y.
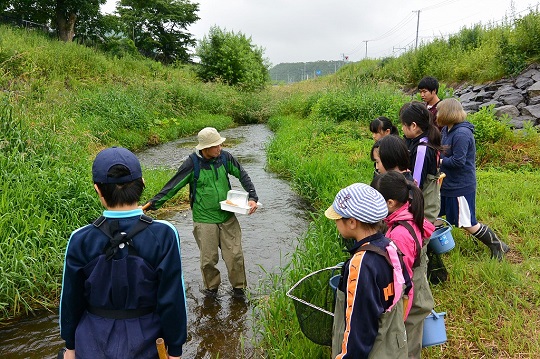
{"type": "Point", "coordinates": [162, 351]}
{"type": "Point", "coordinates": [145, 207]}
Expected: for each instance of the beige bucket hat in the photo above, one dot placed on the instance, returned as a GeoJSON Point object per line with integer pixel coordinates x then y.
{"type": "Point", "coordinates": [209, 137]}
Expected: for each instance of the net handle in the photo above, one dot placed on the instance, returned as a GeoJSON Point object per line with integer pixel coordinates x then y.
{"type": "Point", "coordinates": [303, 301]}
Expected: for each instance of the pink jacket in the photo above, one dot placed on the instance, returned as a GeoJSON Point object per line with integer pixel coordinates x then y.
{"type": "Point", "coordinates": [404, 241]}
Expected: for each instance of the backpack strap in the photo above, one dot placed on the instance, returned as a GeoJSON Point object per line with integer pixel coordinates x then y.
{"type": "Point", "coordinates": [193, 184]}
{"type": "Point", "coordinates": [223, 160]}
{"type": "Point", "coordinates": [419, 161]}
{"type": "Point", "coordinates": [393, 257]}
{"type": "Point", "coordinates": [414, 236]}
{"type": "Point", "coordinates": [197, 170]}
{"type": "Point", "coordinates": [118, 239]}
{"type": "Point", "coordinates": [420, 157]}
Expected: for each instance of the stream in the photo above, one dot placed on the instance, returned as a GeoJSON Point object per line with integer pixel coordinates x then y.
{"type": "Point", "coordinates": [219, 327]}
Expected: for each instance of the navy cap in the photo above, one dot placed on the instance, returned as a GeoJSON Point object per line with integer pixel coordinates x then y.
{"type": "Point", "coordinates": [113, 156]}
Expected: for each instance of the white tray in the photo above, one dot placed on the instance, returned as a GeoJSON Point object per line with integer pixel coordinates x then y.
{"type": "Point", "coordinates": [234, 208]}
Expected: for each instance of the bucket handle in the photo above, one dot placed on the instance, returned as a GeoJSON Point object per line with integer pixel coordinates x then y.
{"type": "Point", "coordinates": [437, 315]}
{"type": "Point", "coordinates": [448, 223]}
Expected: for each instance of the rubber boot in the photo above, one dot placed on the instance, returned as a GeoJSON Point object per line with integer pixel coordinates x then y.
{"type": "Point", "coordinates": [497, 247]}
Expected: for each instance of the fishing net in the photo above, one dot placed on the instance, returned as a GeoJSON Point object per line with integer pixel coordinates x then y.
{"type": "Point", "coordinates": [314, 301]}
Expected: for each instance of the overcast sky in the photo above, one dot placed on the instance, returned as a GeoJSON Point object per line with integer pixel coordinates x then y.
{"type": "Point", "coordinates": [311, 30]}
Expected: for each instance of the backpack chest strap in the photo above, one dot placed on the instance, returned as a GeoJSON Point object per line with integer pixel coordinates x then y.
{"type": "Point", "coordinates": [118, 239]}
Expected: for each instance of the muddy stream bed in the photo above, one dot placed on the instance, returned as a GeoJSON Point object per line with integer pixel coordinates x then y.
{"type": "Point", "coordinates": [221, 327]}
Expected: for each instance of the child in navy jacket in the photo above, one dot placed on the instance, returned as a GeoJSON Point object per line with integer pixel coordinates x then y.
{"type": "Point", "coordinates": [122, 286]}
{"type": "Point", "coordinates": [458, 191]}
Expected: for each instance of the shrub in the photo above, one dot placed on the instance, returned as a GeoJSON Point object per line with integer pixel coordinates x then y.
{"type": "Point", "coordinates": [488, 129]}
{"type": "Point", "coordinates": [232, 58]}
{"type": "Point", "coordinates": [248, 108]}
{"type": "Point", "coordinates": [527, 35]}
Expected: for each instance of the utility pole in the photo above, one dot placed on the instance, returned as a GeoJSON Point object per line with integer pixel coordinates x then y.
{"type": "Point", "coordinates": [417, 26]}
{"type": "Point", "coordinates": [366, 41]}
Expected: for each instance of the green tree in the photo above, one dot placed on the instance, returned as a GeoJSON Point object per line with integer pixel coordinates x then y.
{"type": "Point", "coordinates": [232, 58]}
{"type": "Point", "coordinates": [61, 15]}
{"type": "Point", "coordinates": [158, 27]}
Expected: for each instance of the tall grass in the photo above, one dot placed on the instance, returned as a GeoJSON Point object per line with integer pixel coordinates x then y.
{"type": "Point", "coordinates": [492, 308]}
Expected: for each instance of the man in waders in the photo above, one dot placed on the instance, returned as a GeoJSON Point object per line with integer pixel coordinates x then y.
{"type": "Point", "coordinates": [122, 286]}
{"type": "Point", "coordinates": [206, 171]}
{"type": "Point", "coordinates": [368, 318]}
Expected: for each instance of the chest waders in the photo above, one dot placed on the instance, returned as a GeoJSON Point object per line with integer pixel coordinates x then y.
{"type": "Point", "coordinates": [422, 302]}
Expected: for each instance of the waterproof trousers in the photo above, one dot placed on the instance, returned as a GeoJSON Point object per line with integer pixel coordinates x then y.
{"type": "Point", "coordinates": [391, 340]}
{"type": "Point", "coordinates": [421, 307]}
{"type": "Point", "coordinates": [227, 236]}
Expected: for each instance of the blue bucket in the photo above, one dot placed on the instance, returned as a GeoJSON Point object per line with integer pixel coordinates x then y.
{"type": "Point", "coordinates": [434, 330]}
{"type": "Point", "coordinates": [441, 240]}
{"type": "Point", "coordinates": [334, 282]}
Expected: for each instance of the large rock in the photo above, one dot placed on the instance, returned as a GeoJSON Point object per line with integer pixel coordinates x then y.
{"type": "Point", "coordinates": [484, 95]}
{"type": "Point", "coordinates": [506, 90]}
{"type": "Point", "coordinates": [471, 106]}
{"type": "Point", "coordinates": [519, 122]}
{"type": "Point", "coordinates": [534, 100]}
{"type": "Point", "coordinates": [533, 111]}
{"type": "Point", "coordinates": [534, 90]}
{"type": "Point", "coordinates": [524, 82]}
{"type": "Point", "coordinates": [467, 97]}
{"type": "Point", "coordinates": [531, 72]}
{"type": "Point", "coordinates": [489, 103]}
{"type": "Point", "coordinates": [509, 110]}
{"type": "Point", "coordinates": [513, 98]}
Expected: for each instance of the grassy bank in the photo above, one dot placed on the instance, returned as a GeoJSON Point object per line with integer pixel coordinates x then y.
{"type": "Point", "coordinates": [60, 104]}
{"type": "Point", "coordinates": [492, 308]}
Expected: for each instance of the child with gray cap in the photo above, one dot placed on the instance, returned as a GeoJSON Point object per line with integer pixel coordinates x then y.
{"type": "Point", "coordinates": [122, 286]}
{"type": "Point", "coordinates": [368, 320]}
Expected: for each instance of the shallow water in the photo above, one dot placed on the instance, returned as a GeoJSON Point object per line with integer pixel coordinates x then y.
{"type": "Point", "coordinates": [216, 327]}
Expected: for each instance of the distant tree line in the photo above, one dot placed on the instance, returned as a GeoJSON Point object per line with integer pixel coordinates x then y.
{"type": "Point", "coordinates": [155, 29]}
{"type": "Point", "coordinates": [299, 71]}
{"type": "Point", "coordinates": [152, 28]}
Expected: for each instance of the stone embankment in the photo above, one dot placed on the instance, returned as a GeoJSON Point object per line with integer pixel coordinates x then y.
{"type": "Point", "coordinates": [517, 97]}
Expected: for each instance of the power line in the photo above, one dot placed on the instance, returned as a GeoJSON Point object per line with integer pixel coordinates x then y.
{"type": "Point", "coordinates": [398, 26]}
{"type": "Point", "coordinates": [418, 35]}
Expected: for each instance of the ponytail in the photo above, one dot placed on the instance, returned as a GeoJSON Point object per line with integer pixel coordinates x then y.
{"type": "Point", "coordinates": [417, 112]}
{"type": "Point", "coordinates": [394, 185]}
{"type": "Point", "coordinates": [382, 124]}
{"type": "Point", "coordinates": [416, 204]}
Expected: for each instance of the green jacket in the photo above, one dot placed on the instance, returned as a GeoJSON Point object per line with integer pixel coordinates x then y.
{"type": "Point", "coordinates": [212, 187]}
